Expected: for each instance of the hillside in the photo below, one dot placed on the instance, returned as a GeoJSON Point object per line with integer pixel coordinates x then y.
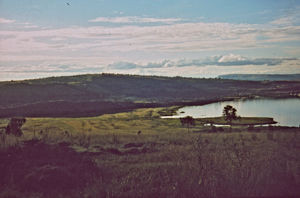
{"type": "Point", "coordinates": [87, 95]}
{"type": "Point", "coordinates": [261, 77]}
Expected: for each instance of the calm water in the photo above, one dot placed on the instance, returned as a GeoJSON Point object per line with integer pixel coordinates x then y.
{"type": "Point", "coordinates": [285, 111]}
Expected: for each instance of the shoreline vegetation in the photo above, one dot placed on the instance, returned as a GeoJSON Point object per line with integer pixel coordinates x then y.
{"type": "Point", "coordinates": [239, 122]}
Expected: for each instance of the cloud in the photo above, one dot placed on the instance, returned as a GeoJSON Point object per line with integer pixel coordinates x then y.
{"type": "Point", "coordinates": [283, 21]}
{"type": "Point", "coordinates": [175, 38]}
{"type": "Point", "coordinates": [134, 19]}
{"type": "Point", "coordinates": [237, 60]}
{"type": "Point", "coordinates": [198, 68]}
{"type": "Point", "coordinates": [225, 60]}
{"type": "Point", "coordinates": [128, 65]}
{"type": "Point", "coordinates": [291, 16]}
{"type": "Point", "coordinates": [231, 58]}
{"type": "Point", "coordinates": [139, 48]}
{"type": "Point", "coordinates": [209, 67]}
{"type": "Point", "coordinates": [6, 21]}
{"type": "Point", "coordinates": [30, 26]}
{"type": "Point", "coordinates": [123, 65]}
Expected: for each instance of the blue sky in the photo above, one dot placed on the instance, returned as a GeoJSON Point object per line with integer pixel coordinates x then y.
{"type": "Point", "coordinates": [195, 38]}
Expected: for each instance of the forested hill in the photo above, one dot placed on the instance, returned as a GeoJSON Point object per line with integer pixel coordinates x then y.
{"type": "Point", "coordinates": [86, 95]}
{"type": "Point", "coordinates": [261, 77]}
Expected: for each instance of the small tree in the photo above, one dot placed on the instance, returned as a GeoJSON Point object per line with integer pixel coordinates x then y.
{"type": "Point", "coordinates": [229, 114]}
{"type": "Point", "coordinates": [187, 121]}
{"type": "Point", "coordinates": [14, 126]}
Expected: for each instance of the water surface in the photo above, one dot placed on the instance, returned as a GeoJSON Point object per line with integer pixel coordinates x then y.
{"type": "Point", "coordinates": [285, 111]}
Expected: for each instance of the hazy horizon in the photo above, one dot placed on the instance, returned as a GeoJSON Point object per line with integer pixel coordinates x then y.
{"type": "Point", "coordinates": [186, 38]}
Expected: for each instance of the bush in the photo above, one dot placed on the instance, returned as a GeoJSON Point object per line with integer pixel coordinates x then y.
{"type": "Point", "coordinates": [213, 128]}
{"type": "Point", "coordinates": [14, 126]}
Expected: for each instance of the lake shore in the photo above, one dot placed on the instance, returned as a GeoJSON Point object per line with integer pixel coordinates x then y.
{"type": "Point", "coordinates": [240, 121]}
{"type": "Point", "coordinates": [258, 111]}
{"type": "Point", "coordinates": [173, 107]}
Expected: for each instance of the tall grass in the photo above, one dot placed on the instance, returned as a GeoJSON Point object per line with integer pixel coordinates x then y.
{"type": "Point", "coordinates": [239, 166]}
{"type": "Point", "coordinates": [164, 160]}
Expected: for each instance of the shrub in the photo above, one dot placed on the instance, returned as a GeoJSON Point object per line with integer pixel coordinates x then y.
{"type": "Point", "coordinates": [213, 128]}
{"type": "Point", "coordinates": [14, 126]}
{"type": "Point", "coordinates": [188, 121]}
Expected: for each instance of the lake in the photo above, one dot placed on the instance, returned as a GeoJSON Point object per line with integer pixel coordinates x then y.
{"type": "Point", "coordinates": [285, 111]}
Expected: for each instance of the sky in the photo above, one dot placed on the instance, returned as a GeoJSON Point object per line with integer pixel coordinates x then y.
{"type": "Point", "coordinates": [192, 38]}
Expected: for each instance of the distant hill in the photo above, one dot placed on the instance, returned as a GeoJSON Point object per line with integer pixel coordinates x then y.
{"type": "Point", "coordinates": [262, 77]}
{"type": "Point", "coordinates": [95, 94]}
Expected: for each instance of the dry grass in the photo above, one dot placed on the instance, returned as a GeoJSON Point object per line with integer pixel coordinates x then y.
{"type": "Point", "coordinates": [167, 161]}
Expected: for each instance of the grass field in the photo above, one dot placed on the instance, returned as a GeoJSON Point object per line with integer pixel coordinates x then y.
{"type": "Point", "coordinates": [105, 156]}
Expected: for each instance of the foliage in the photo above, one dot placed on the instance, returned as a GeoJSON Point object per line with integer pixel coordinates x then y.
{"type": "Point", "coordinates": [187, 121]}
{"type": "Point", "coordinates": [14, 126]}
{"type": "Point", "coordinates": [229, 113]}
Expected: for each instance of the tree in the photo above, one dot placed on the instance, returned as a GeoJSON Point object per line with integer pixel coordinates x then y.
{"type": "Point", "coordinates": [229, 114]}
{"type": "Point", "coordinates": [188, 121]}
{"type": "Point", "coordinates": [14, 126]}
